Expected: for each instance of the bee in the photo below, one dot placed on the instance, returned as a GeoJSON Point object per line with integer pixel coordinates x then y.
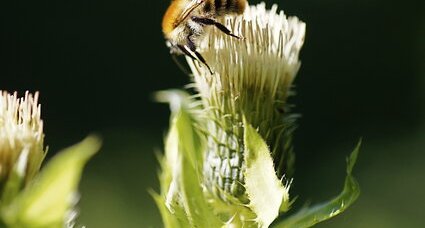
{"type": "Point", "coordinates": [184, 23]}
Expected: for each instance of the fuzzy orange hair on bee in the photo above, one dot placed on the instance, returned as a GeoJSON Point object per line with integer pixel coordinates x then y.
{"type": "Point", "coordinates": [184, 23]}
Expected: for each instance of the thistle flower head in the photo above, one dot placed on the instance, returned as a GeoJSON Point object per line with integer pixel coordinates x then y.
{"type": "Point", "coordinates": [21, 135]}
{"type": "Point", "coordinates": [261, 66]}
{"type": "Point", "coordinates": [252, 79]}
{"type": "Point", "coordinates": [230, 150]}
{"type": "Point", "coordinates": [253, 76]}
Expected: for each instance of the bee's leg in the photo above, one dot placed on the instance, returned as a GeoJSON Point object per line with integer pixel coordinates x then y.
{"type": "Point", "coordinates": [180, 65]}
{"type": "Point", "coordinates": [192, 47]}
{"type": "Point", "coordinates": [203, 61]}
{"type": "Point", "coordinates": [209, 21]}
{"type": "Point", "coordinates": [186, 52]}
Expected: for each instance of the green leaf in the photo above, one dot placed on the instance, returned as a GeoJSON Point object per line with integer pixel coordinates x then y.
{"type": "Point", "coordinates": [311, 216]}
{"type": "Point", "coordinates": [182, 202]}
{"type": "Point", "coordinates": [189, 140]}
{"type": "Point", "coordinates": [47, 200]}
{"type": "Point", "coordinates": [173, 215]}
{"type": "Point", "coordinates": [265, 191]}
{"type": "Point", "coordinates": [181, 101]}
{"type": "Point", "coordinates": [193, 199]}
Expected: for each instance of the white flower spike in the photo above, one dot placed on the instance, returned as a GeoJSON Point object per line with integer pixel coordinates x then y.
{"type": "Point", "coordinates": [252, 78]}
{"type": "Point", "coordinates": [21, 132]}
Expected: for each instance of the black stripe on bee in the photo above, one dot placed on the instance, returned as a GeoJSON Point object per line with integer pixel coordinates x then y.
{"type": "Point", "coordinates": [217, 4]}
{"type": "Point", "coordinates": [228, 4]}
{"type": "Point", "coordinates": [207, 7]}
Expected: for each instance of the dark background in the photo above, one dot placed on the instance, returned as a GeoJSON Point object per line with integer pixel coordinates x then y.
{"type": "Point", "coordinates": [96, 64]}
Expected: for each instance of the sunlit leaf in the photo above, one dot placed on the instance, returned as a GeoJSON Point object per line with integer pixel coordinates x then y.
{"type": "Point", "coordinates": [181, 169]}
{"type": "Point", "coordinates": [265, 191]}
{"type": "Point", "coordinates": [193, 199]}
{"type": "Point", "coordinates": [311, 216]}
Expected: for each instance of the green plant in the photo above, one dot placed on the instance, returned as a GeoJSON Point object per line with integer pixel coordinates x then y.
{"type": "Point", "coordinates": [228, 154]}
{"type": "Point", "coordinates": [30, 197]}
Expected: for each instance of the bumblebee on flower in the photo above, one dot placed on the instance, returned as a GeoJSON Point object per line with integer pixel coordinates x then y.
{"type": "Point", "coordinates": [228, 155]}
{"type": "Point", "coordinates": [183, 23]}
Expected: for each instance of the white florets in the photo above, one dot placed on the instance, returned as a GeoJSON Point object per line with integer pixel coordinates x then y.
{"type": "Point", "coordinates": [267, 57]}
{"type": "Point", "coordinates": [21, 132]}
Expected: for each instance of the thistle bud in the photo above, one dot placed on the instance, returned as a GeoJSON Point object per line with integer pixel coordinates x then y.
{"type": "Point", "coordinates": [21, 136]}
{"type": "Point", "coordinates": [252, 79]}
{"type": "Point", "coordinates": [228, 156]}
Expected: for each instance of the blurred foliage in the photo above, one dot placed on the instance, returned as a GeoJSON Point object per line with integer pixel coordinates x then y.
{"type": "Point", "coordinates": [96, 64]}
{"type": "Point", "coordinates": [49, 199]}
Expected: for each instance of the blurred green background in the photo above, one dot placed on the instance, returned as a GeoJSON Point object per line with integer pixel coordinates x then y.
{"type": "Point", "coordinates": [96, 64]}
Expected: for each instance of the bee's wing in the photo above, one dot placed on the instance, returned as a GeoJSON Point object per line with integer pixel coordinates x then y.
{"type": "Point", "coordinates": [188, 9]}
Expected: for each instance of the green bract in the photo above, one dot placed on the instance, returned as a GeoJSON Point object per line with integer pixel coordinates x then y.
{"type": "Point", "coordinates": [266, 193]}
{"type": "Point", "coordinates": [184, 202]}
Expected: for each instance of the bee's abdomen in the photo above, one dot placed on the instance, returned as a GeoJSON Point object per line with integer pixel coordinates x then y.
{"type": "Point", "coordinates": [223, 7]}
